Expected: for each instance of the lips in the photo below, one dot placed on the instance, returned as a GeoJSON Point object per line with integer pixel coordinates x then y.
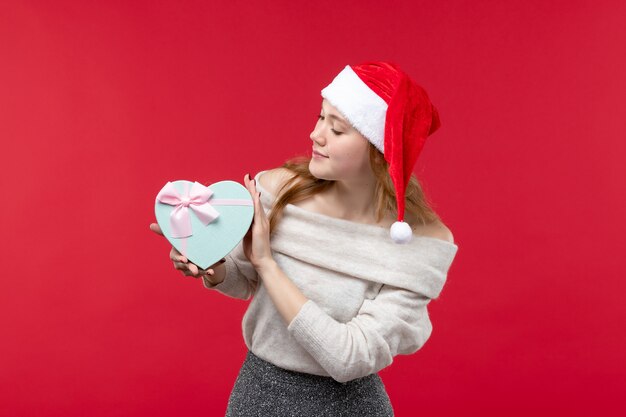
{"type": "Point", "coordinates": [319, 154]}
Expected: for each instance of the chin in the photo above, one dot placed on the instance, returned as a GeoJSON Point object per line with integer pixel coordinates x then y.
{"type": "Point", "coordinates": [316, 172]}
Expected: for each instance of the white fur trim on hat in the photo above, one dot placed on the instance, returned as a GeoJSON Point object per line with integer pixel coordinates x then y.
{"type": "Point", "coordinates": [361, 106]}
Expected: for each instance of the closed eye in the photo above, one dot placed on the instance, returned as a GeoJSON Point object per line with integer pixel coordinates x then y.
{"type": "Point", "coordinates": [337, 133]}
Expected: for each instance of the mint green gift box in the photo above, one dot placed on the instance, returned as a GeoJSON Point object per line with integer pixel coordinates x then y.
{"type": "Point", "coordinates": [204, 223]}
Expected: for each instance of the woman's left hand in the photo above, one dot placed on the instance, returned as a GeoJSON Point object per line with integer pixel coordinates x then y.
{"type": "Point", "coordinates": [256, 243]}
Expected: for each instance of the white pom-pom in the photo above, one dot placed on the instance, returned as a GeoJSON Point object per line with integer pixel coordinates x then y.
{"type": "Point", "coordinates": [401, 232]}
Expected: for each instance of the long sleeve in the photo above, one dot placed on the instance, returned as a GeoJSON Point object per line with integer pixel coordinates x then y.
{"type": "Point", "coordinates": [395, 322]}
{"type": "Point", "coordinates": [367, 296]}
{"type": "Point", "coordinates": [241, 278]}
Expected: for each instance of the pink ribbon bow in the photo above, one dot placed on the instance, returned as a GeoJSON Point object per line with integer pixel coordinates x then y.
{"type": "Point", "coordinates": [196, 199]}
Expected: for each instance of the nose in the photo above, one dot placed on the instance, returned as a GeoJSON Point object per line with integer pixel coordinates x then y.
{"type": "Point", "coordinates": [317, 137]}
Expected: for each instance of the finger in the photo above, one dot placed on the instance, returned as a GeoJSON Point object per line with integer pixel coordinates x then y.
{"type": "Point", "coordinates": [200, 271]}
{"type": "Point", "coordinates": [156, 228]}
{"type": "Point", "coordinates": [187, 273]}
{"type": "Point", "coordinates": [181, 266]}
{"type": "Point", "coordinates": [248, 236]}
{"type": "Point", "coordinates": [258, 199]}
{"type": "Point", "coordinates": [177, 256]}
{"type": "Point", "coordinates": [250, 188]}
{"type": "Point", "coordinates": [205, 272]}
{"type": "Point", "coordinates": [193, 268]}
{"type": "Point", "coordinates": [258, 210]}
{"type": "Point", "coordinates": [250, 185]}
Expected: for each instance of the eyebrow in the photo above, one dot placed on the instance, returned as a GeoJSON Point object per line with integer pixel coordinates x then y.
{"type": "Point", "coordinates": [339, 119]}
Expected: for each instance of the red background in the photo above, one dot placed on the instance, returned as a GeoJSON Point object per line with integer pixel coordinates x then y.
{"type": "Point", "coordinates": [101, 103]}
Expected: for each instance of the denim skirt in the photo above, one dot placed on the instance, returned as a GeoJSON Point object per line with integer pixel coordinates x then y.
{"type": "Point", "coordinates": [264, 389]}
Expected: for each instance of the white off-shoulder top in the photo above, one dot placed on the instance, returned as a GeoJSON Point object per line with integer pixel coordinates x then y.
{"type": "Point", "coordinates": [368, 296]}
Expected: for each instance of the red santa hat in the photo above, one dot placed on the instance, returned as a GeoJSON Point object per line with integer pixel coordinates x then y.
{"type": "Point", "coordinates": [391, 111]}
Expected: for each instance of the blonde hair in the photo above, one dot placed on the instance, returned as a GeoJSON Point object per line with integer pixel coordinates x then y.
{"type": "Point", "coordinates": [303, 185]}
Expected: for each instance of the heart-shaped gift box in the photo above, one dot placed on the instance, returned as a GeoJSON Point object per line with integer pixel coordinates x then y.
{"type": "Point", "coordinates": [204, 223]}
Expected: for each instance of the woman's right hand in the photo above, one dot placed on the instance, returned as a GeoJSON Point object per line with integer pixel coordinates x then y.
{"type": "Point", "coordinates": [181, 263]}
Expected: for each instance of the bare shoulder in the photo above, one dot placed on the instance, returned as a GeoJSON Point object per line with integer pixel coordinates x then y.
{"type": "Point", "coordinates": [272, 180]}
{"type": "Point", "coordinates": [436, 230]}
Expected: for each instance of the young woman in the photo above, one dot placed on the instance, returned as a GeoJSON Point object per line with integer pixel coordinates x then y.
{"type": "Point", "coordinates": [340, 278]}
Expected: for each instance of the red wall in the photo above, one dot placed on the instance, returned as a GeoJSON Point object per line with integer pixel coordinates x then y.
{"type": "Point", "coordinates": [101, 103]}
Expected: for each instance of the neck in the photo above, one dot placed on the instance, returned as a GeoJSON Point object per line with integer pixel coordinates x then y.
{"type": "Point", "coordinates": [353, 200]}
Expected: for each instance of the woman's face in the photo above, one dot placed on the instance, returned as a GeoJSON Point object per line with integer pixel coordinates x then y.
{"type": "Point", "coordinates": [345, 150]}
